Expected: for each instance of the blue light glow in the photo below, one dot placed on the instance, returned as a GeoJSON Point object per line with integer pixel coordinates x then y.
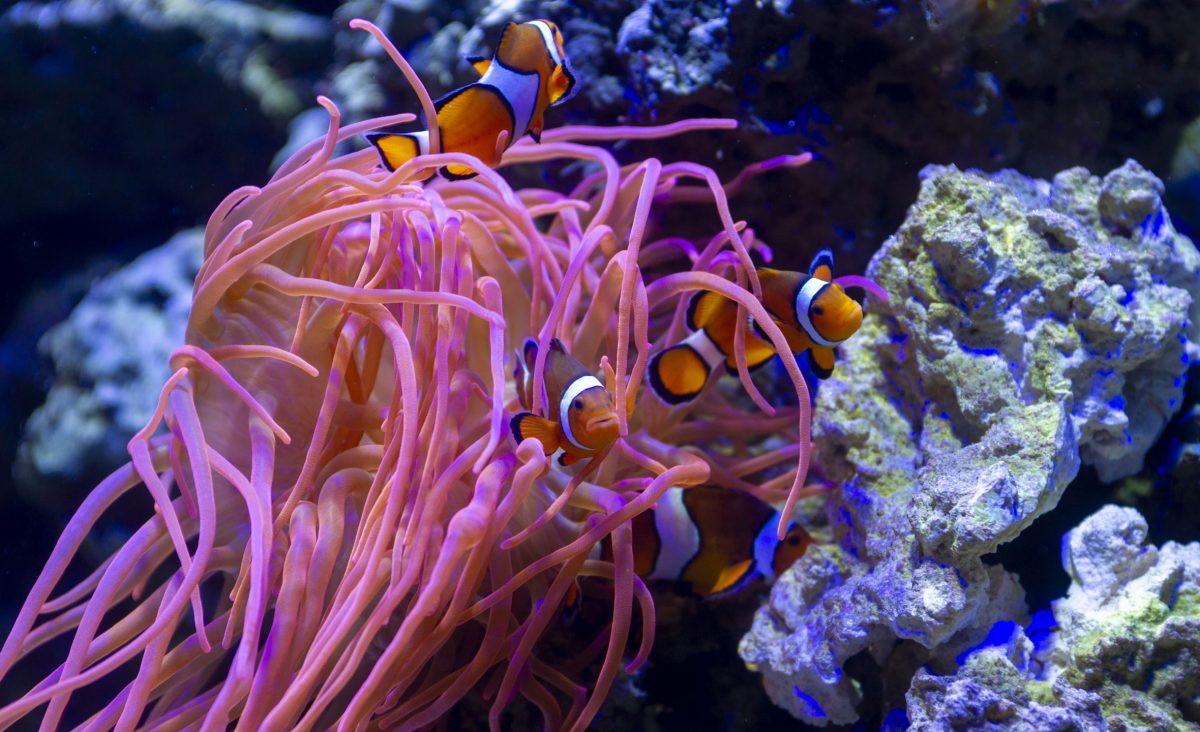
{"type": "Point", "coordinates": [811, 707]}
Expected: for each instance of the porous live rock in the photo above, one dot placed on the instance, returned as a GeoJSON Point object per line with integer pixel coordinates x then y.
{"type": "Point", "coordinates": [1123, 654]}
{"type": "Point", "coordinates": [1129, 627]}
{"type": "Point", "coordinates": [874, 88]}
{"type": "Point", "coordinates": [110, 360]}
{"type": "Point", "coordinates": [992, 691]}
{"type": "Point", "coordinates": [1032, 325]}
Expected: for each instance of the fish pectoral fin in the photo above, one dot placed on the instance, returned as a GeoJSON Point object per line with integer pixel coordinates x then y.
{"type": "Point", "coordinates": [505, 47]}
{"type": "Point", "coordinates": [526, 425]}
{"type": "Point", "coordinates": [479, 63]}
{"type": "Point", "coordinates": [822, 266]}
{"type": "Point", "coordinates": [823, 360]}
{"type": "Point", "coordinates": [731, 578]}
{"type": "Point", "coordinates": [678, 374]}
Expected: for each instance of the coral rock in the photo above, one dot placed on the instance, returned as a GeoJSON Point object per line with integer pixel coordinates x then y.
{"type": "Point", "coordinates": [110, 360]}
{"type": "Point", "coordinates": [1124, 655]}
{"type": "Point", "coordinates": [1129, 628]}
{"type": "Point", "coordinates": [1024, 316]}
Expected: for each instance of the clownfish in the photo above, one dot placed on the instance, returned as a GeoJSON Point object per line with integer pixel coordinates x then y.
{"type": "Point", "coordinates": [528, 74]}
{"type": "Point", "coordinates": [583, 420]}
{"type": "Point", "coordinates": [814, 314]}
{"type": "Point", "coordinates": [712, 541]}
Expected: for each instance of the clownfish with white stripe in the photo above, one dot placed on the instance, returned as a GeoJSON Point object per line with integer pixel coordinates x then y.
{"type": "Point", "coordinates": [528, 74]}
{"type": "Point", "coordinates": [583, 419]}
{"type": "Point", "coordinates": [814, 315]}
{"type": "Point", "coordinates": [712, 541]}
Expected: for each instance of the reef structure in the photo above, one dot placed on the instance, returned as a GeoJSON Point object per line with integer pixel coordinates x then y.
{"type": "Point", "coordinates": [344, 533]}
{"type": "Point", "coordinates": [110, 358]}
{"type": "Point", "coordinates": [1122, 650]}
{"type": "Point", "coordinates": [1033, 325]}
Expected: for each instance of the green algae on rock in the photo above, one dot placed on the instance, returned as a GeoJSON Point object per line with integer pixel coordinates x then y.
{"type": "Point", "coordinates": [1033, 325]}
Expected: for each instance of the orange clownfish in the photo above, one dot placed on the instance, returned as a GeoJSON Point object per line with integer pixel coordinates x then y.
{"type": "Point", "coordinates": [712, 541]}
{"type": "Point", "coordinates": [583, 420]}
{"type": "Point", "coordinates": [528, 74]}
{"type": "Point", "coordinates": [814, 314]}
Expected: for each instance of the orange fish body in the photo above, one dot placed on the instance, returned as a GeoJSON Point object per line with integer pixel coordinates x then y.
{"type": "Point", "coordinates": [712, 541]}
{"type": "Point", "coordinates": [528, 74]}
{"type": "Point", "coordinates": [582, 421]}
{"type": "Point", "coordinates": [814, 315]}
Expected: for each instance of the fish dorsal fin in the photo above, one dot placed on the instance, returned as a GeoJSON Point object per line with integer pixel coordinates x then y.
{"type": "Point", "coordinates": [822, 266]}
{"type": "Point", "coordinates": [507, 38]}
{"type": "Point", "coordinates": [479, 63]}
{"type": "Point", "coordinates": [703, 307]}
{"type": "Point", "coordinates": [562, 369]}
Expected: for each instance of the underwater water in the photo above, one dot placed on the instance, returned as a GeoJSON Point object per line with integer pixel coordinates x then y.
{"type": "Point", "coordinates": [996, 467]}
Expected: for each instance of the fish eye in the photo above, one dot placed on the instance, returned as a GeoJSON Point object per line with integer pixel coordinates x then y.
{"type": "Point", "coordinates": [577, 404]}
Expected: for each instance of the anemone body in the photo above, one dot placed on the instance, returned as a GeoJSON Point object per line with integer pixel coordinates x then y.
{"type": "Point", "coordinates": [345, 535]}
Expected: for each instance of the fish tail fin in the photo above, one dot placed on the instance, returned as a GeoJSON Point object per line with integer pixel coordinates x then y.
{"type": "Point", "coordinates": [679, 373]}
{"type": "Point", "coordinates": [397, 148]}
{"type": "Point", "coordinates": [526, 425]}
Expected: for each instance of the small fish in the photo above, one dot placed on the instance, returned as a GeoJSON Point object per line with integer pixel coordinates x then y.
{"type": "Point", "coordinates": [582, 421]}
{"type": "Point", "coordinates": [814, 314]}
{"type": "Point", "coordinates": [712, 541]}
{"type": "Point", "coordinates": [529, 73]}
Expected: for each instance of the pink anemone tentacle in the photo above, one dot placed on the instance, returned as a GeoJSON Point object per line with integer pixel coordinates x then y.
{"type": "Point", "coordinates": [344, 533]}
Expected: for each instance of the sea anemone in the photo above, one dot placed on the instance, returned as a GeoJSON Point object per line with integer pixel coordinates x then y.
{"type": "Point", "coordinates": [344, 532]}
